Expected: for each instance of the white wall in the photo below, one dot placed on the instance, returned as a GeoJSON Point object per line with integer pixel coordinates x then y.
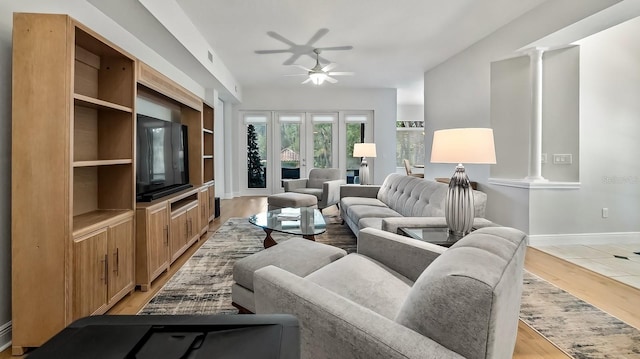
{"type": "Point", "coordinates": [410, 112]}
{"type": "Point", "coordinates": [609, 146]}
{"type": "Point", "coordinates": [381, 101]}
{"type": "Point", "coordinates": [457, 94]}
{"type": "Point", "coordinates": [94, 19]}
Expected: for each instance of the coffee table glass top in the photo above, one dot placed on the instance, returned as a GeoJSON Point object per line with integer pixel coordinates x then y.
{"type": "Point", "coordinates": [303, 221]}
{"type": "Point", "coordinates": [434, 235]}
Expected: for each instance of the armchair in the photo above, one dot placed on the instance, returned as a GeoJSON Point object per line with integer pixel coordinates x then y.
{"type": "Point", "coordinates": [402, 298]}
{"type": "Point", "coordinates": [324, 183]}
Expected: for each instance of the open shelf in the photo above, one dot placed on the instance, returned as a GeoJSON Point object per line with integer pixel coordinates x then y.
{"type": "Point", "coordinates": [97, 188]}
{"type": "Point", "coordinates": [207, 131]}
{"type": "Point", "coordinates": [82, 100]}
{"type": "Point", "coordinates": [102, 163]}
{"type": "Point", "coordinates": [208, 170]}
{"type": "Point", "coordinates": [88, 222]}
{"type": "Point", "coordinates": [101, 134]}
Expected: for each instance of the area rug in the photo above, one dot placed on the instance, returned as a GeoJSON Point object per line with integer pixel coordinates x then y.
{"type": "Point", "coordinates": [203, 286]}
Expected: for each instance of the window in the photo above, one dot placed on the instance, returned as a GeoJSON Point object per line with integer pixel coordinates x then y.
{"type": "Point", "coordinates": [409, 142]}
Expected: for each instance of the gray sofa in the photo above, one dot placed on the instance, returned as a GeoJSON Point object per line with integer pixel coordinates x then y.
{"type": "Point", "coordinates": [401, 298]}
{"type": "Point", "coordinates": [324, 183]}
{"type": "Point", "coordinates": [401, 201]}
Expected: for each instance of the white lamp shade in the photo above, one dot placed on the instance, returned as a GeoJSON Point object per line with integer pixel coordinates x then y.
{"type": "Point", "coordinates": [364, 150]}
{"type": "Point", "coordinates": [463, 145]}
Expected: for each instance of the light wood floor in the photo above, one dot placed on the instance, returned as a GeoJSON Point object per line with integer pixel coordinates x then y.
{"type": "Point", "coordinates": [609, 295]}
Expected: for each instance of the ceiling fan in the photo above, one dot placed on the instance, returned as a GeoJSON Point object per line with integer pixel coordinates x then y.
{"type": "Point", "coordinates": [319, 74]}
{"type": "Point", "coordinates": [297, 50]}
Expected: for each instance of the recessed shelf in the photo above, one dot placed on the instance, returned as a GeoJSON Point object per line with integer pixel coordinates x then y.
{"type": "Point", "coordinates": [91, 102]}
{"type": "Point", "coordinates": [102, 163]}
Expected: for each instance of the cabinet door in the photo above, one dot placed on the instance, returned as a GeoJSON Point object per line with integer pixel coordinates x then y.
{"type": "Point", "coordinates": [120, 252]}
{"type": "Point", "coordinates": [178, 236]}
{"type": "Point", "coordinates": [90, 272]}
{"type": "Point", "coordinates": [203, 203]}
{"type": "Point", "coordinates": [158, 241]}
{"type": "Point", "coordinates": [212, 202]}
{"type": "Point", "coordinates": [193, 224]}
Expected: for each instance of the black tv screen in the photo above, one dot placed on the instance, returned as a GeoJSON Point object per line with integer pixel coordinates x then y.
{"type": "Point", "coordinates": [161, 158]}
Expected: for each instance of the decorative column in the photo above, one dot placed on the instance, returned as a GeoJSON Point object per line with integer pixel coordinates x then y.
{"type": "Point", "coordinates": [535, 141]}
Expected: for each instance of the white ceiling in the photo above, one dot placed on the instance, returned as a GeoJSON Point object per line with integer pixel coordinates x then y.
{"type": "Point", "coordinates": [394, 42]}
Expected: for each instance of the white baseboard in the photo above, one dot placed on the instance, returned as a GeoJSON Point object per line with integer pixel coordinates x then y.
{"type": "Point", "coordinates": [5, 336]}
{"type": "Point", "coordinates": [583, 238]}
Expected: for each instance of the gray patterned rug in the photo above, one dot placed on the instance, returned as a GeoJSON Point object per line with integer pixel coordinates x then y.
{"type": "Point", "coordinates": [203, 286]}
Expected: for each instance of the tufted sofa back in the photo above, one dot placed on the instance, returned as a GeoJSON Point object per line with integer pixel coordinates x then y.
{"type": "Point", "coordinates": [417, 197]}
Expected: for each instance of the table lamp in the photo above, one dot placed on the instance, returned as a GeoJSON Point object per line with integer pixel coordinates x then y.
{"type": "Point", "coordinates": [462, 145]}
{"type": "Point", "coordinates": [364, 150]}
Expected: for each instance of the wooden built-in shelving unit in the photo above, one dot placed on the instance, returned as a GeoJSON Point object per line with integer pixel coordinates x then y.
{"type": "Point", "coordinates": [80, 242]}
{"type": "Point", "coordinates": [73, 213]}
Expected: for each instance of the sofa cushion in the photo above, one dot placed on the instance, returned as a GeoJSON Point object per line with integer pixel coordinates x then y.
{"type": "Point", "coordinates": [357, 212]}
{"type": "Point", "coordinates": [317, 192]}
{"type": "Point", "coordinates": [371, 222]}
{"type": "Point", "coordinates": [296, 255]}
{"type": "Point", "coordinates": [365, 281]}
{"type": "Point", "coordinates": [449, 301]}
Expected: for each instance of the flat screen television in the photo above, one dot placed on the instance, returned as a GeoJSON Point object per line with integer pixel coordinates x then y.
{"type": "Point", "coordinates": [162, 166]}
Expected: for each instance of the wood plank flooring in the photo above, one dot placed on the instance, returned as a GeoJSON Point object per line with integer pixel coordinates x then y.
{"type": "Point", "coordinates": [611, 296]}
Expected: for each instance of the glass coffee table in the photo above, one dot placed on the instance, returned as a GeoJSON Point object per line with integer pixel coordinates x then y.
{"type": "Point", "coordinates": [305, 221]}
{"type": "Point", "coordinates": [434, 235]}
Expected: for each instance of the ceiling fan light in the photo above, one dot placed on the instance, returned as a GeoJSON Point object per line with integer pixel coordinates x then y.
{"type": "Point", "coordinates": [317, 78]}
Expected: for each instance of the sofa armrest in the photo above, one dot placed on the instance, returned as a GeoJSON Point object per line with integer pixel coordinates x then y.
{"type": "Point", "coordinates": [406, 256]}
{"type": "Point", "coordinates": [334, 327]}
{"type": "Point", "coordinates": [393, 224]}
{"type": "Point", "coordinates": [331, 192]}
{"type": "Point", "coordinates": [356, 190]}
{"type": "Point", "coordinates": [290, 185]}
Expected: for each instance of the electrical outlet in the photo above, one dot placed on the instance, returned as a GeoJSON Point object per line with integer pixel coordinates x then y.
{"type": "Point", "coordinates": [605, 212]}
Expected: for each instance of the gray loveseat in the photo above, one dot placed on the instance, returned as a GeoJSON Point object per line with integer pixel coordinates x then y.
{"type": "Point", "coordinates": [401, 201]}
{"type": "Point", "coordinates": [401, 298]}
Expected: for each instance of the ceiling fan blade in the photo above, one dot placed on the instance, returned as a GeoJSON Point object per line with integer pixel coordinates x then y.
{"type": "Point", "coordinates": [295, 75]}
{"type": "Point", "coordinates": [331, 79]}
{"type": "Point", "coordinates": [340, 73]}
{"type": "Point", "coordinates": [329, 67]}
{"type": "Point", "coordinates": [292, 59]}
{"type": "Point", "coordinates": [320, 33]}
{"type": "Point", "coordinates": [305, 81]}
{"type": "Point", "coordinates": [334, 48]}
{"type": "Point", "coordinates": [279, 37]}
{"type": "Point", "coordinates": [271, 51]}
{"type": "Point", "coordinates": [301, 67]}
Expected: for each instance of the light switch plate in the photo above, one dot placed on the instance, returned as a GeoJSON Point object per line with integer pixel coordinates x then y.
{"type": "Point", "coordinates": [562, 159]}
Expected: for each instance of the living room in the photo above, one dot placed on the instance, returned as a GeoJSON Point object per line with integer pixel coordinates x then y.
{"type": "Point", "coordinates": [462, 79]}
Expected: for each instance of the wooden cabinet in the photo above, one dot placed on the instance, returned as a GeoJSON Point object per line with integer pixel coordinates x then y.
{"type": "Point", "coordinates": [90, 274]}
{"type": "Point", "coordinates": [212, 202]}
{"type": "Point", "coordinates": [204, 203]}
{"type": "Point", "coordinates": [152, 243]}
{"type": "Point", "coordinates": [184, 229]}
{"type": "Point", "coordinates": [73, 98]}
{"type": "Point", "coordinates": [120, 252]}
{"type": "Point", "coordinates": [103, 268]}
